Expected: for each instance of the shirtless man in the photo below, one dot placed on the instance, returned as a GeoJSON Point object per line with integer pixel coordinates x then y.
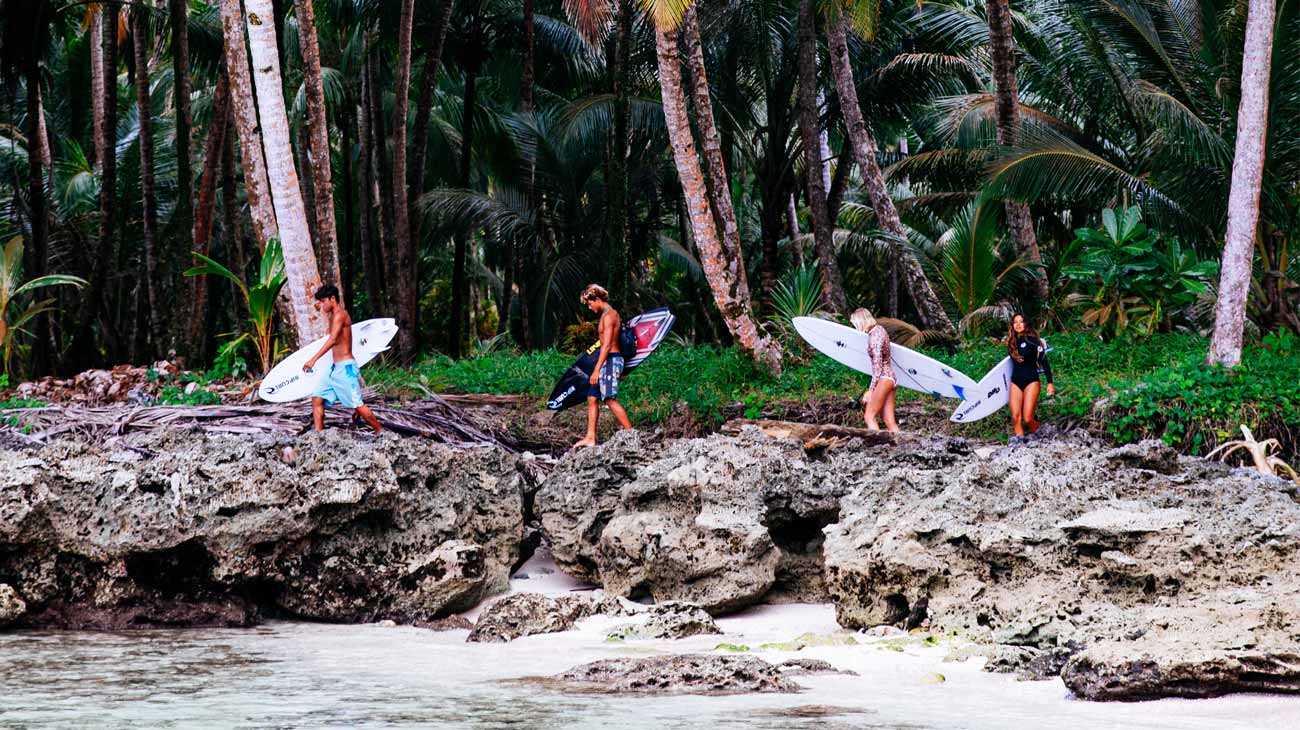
{"type": "Point", "coordinates": [609, 364]}
{"type": "Point", "coordinates": [342, 384]}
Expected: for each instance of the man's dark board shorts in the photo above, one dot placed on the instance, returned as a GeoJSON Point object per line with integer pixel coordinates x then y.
{"type": "Point", "coordinates": [607, 387]}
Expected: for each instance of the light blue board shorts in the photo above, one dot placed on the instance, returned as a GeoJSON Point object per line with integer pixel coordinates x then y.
{"type": "Point", "coordinates": [341, 385]}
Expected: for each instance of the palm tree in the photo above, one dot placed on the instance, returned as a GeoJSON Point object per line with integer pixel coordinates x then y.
{"type": "Point", "coordinates": [1003, 52]}
{"type": "Point", "coordinates": [407, 274]}
{"type": "Point", "coordinates": [290, 214]}
{"type": "Point", "coordinates": [814, 165]}
{"type": "Point", "coordinates": [327, 243]}
{"type": "Point", "coordinates": [725, 273]}
{"type": "Point", "coordinates": [865, 152]}
{"type": "Point", "coordinates": [1247, 178]}
{"type": "Point", "coordinates": [239, 75]}
{"type": "Point", "coordinates": [183, 212]}
{"type": "Point", "coordinates": [144, 103]}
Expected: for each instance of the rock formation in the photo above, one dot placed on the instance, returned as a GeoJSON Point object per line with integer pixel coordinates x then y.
{"type": "Point", "coordinates": [714, 674]}
{"type": "Point", "coordinates": [179, 528]}
{"type": "Point", "coordinates": [720, 522]}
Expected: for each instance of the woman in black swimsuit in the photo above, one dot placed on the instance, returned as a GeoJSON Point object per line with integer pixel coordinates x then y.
{"type": "Point", "coordinates": [1028, 359]}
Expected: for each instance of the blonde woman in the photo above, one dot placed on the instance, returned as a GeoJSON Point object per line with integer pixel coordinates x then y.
{"type": "Point", "coordinates": [880, 398]}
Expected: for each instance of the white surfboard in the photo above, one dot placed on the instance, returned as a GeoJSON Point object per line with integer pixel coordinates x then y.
{"type": "Point", "coordinates": [990, 395]}
{"type": "Point", "coordinates": [287, 381]}
{"type": "Point", "coordinates": [914, 371]}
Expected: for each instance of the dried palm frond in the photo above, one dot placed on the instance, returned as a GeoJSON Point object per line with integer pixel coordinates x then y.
{"type": "Point", "coordinates": [1265, 463]}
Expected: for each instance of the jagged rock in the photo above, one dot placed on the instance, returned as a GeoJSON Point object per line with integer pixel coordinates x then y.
{"type": "Point", "coordinates": [1066, 545]}
{"type": "Point", "coordinates": [1113, 671]}
{"type": "Point", "coordinates": [710, 674]}
{"type": "Point", "coordinates": [669, 620]}
{"type": "Point", "coordinates": [802, 666]}
{"type": "Point", "coordinates": [450, 623]}
{"type": "Point", "coordinates": [525, 614]}
{"type": "Point", "coordinates": [175, 527]}
{"type": "Point", "coordinates": [12, 606]}
{"type": "Point", "coordinates": [720, 522]}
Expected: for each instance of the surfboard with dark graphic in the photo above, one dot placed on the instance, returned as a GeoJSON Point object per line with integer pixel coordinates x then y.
{"type": "Point", "coordinates": [651, 328]}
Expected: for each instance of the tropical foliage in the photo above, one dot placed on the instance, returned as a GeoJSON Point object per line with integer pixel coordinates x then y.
{"type": "Point", "coordinates": [467, 168]}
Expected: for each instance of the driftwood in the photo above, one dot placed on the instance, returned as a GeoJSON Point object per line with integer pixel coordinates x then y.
{"type": "Point", "coordinates": [430, 418]}
{"type": "Point", "coordinates": [812, 435]}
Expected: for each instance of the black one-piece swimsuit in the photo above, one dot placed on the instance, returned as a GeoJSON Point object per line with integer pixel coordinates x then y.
{"type": "Point", "coordinates": [1033, 360]}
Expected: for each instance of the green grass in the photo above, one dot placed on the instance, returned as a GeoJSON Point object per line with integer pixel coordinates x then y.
{"type": "Point", "coordinates": [1158, 387]}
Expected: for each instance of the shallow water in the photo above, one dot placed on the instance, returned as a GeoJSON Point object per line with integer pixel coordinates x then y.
{"type": "Point", "coordinates": [294, 675]}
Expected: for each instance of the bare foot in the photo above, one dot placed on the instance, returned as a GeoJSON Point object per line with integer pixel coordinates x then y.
{"type": "Point", "coordinates": [585, 442]}
{"type": "Point", "coordinates": [1033, 426]}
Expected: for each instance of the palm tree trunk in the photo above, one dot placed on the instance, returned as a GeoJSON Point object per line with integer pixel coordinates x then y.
{"type": "Point", "coordinates": [385, 258]}
{"type": "Point", "coordinates": [290, 214]}
{"type": "Point", "coordinates": [38, 166]}
{"type": "Point", "coordinates": [1006, 99]}
{"type": "Point", "coordinates": [370, 267]}
{"type": "Point", "coordinates": [239, 76]}
{"type": "Point", "coordinates": [97, 84]}
{"type": "Point", "coordinates": [177, 257]}
{"type": "Point", "coordinates": [616, 212]}
{"type": "Point", "coordinates": [814, 166]}
{"type": "Point", "coordinates": [214, 156]}
{"type": "Point", "coordinates": [144, 103]}
{"type": "Point", "coordinates": [712, 146]}
{"type": "Point", "coordinates": [424, 107]}
{"type": "Point", "coordinates": [460, 253]}
{"type": "Point", "coordinates": [1247, 179]}
{"type": "Point", "coordinates": [83, 353]}
{"type": "Point", "coordinates": [725, 275]}
{"type": "Point", "coordinates": [526, 81]}
{"type": "Point", "coordinates": [347, 241]}
{"type": "Point", "coordinates": [231, 221]}
{"type": "Point", "coordinates": [407, 274]}
{"type": "Point", "coordinates": [927, 303]}
{"type": "Point", "coordinates": [327, 244]}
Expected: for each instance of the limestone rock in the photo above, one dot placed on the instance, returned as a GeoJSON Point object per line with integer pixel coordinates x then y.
{"type": "Point", "coordinates": [525, 614]}
{"type": "Point", "coordinates": [720, 522]}
{"type": "Point", "coordinates": [669, 620]}
{"type": "Point", "coordinates": [1121, 672]}
{"type": "Point", "coordinates": [12, 606]}
{"type": "Point", "coordinates": [710, 674]}
{"type": "Point", "coordinates": [176, 527]}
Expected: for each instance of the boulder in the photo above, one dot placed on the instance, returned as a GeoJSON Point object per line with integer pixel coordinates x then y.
{"type": "Point", "coordinates": [525, 614]}
{"type": "Point", "coordinates": [720, 522]}
{"type": "Point", "coordinates": [1047, 553]}
{"type": "Point", "coordinates": [177, 527]}
{"type": "Point", "coordinates": [708, 674]}
{"type": "Point", "coordinates": [1125, 672]}
{"type": "Point", "coordinates": [669, 620]}
{"type": "Point", "coordinates": [12, 606]}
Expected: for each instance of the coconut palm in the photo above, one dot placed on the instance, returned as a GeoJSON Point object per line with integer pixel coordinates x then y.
{"type": "Point", "coordinates": [1247, 179]}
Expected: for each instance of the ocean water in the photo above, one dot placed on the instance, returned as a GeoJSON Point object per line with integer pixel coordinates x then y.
{"type": "Point", "coordinates": [299, 675]}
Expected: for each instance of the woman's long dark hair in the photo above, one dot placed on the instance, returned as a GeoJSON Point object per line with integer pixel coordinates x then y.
{"type": "Point", "coordinates": [1030, 332]}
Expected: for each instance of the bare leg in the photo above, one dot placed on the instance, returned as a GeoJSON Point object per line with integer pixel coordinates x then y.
{"type": "Point", "coordinates": [891, 422]}
{"type": "Point", "coordinates": [369, 417]}
{"type": "Point", "coordinates": [593, 415]}
{"type": "Point", "coordinates": [879, 393]}
{"type": "Point", "coordinates": [1032, 392]}
{"type": "Point", "coordinates": [318, 413]}
{"type": "Point", "coordinates": [620, 415]}
{"type": "Point", "coordinates": [1016, 401]}
{"type": "Point", "coordinates": [869, 409]}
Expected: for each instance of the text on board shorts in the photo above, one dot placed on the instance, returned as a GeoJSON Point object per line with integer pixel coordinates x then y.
{"type": "Point", "coordinates": [341, 385]}
{"type": "Point", "coordinates": [607, 387]}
